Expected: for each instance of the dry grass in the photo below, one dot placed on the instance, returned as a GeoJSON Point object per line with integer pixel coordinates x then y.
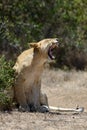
{"type": "Point", "coordinates": [65, 89]}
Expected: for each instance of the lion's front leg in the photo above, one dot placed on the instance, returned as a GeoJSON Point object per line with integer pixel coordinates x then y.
{"type": "Point", "coordinates": [43, 103]}
{"type": "Point", "coordinates": [19, 95]}
{"type": "Point", "coordinates": [20, 98]}
{"type": "Point", "coordinates": [43, 99]}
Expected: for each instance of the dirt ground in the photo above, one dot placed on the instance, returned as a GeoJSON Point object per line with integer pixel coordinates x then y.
{"type": "Point", "coordinates": [64, 89]}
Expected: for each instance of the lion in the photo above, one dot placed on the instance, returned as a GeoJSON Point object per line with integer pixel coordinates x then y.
{"type": "Point", "coordinates": [29, 68]}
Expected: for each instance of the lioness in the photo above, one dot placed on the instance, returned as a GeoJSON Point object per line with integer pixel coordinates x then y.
{"type": "Point", "coordinates": [29, 68]}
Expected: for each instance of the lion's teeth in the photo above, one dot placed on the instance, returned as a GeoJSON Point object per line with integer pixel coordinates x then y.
{"type": "Point", "coordinates": [53, 57]}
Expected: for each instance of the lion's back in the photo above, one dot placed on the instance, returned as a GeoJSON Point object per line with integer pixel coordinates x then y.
{"type": "Point", "coordinates": [23, 60]}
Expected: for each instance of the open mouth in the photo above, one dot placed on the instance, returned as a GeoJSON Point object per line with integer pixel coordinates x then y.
{"type": "Point", "coordinates": [51, 50]}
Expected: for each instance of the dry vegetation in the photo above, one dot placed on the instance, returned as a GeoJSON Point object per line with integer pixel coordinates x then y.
{"type": "Point", "coordinates": [65, 89]}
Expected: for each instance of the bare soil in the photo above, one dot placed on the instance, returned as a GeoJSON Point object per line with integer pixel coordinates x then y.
{"type": "Point", "coordinates": [64, 89]}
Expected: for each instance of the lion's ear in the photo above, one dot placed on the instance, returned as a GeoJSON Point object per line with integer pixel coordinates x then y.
{"type": "Point", "coordinates": [33, 44]}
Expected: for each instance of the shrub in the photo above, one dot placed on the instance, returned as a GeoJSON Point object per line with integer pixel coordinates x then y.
{"type": "Point", "coordinates": [6, 82]}
{"type": "Point", "coordinates": [71, 56]}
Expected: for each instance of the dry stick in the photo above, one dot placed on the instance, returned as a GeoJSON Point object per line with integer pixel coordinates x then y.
{"type": "Point", "coordinates": [59, 109]}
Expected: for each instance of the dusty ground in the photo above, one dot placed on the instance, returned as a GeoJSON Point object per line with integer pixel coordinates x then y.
{"type": "Point", "coordinates": [65, 89]}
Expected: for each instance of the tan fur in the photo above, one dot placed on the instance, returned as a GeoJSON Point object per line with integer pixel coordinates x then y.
{"type": "Point", "coordinates": [29, 68]}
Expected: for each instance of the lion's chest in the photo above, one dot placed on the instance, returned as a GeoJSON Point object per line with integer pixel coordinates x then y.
{"type": "Point", "coordinates": [31, 84]}
{"type": "Point", "coordinates": [32, 90]}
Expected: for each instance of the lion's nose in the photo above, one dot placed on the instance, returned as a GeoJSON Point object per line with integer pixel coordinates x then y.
{"type": "Point", "coordinates": [57, 42]}
{"type": "Point", "coordinates": [57, 39]}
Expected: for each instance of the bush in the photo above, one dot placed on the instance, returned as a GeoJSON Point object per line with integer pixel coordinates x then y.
{"type": "Point", "coordinates": [27, 21]}
{"type": "Point", "coordinates": [6, 82]}
{"type": "Point", "coordinates": [71, 56]}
